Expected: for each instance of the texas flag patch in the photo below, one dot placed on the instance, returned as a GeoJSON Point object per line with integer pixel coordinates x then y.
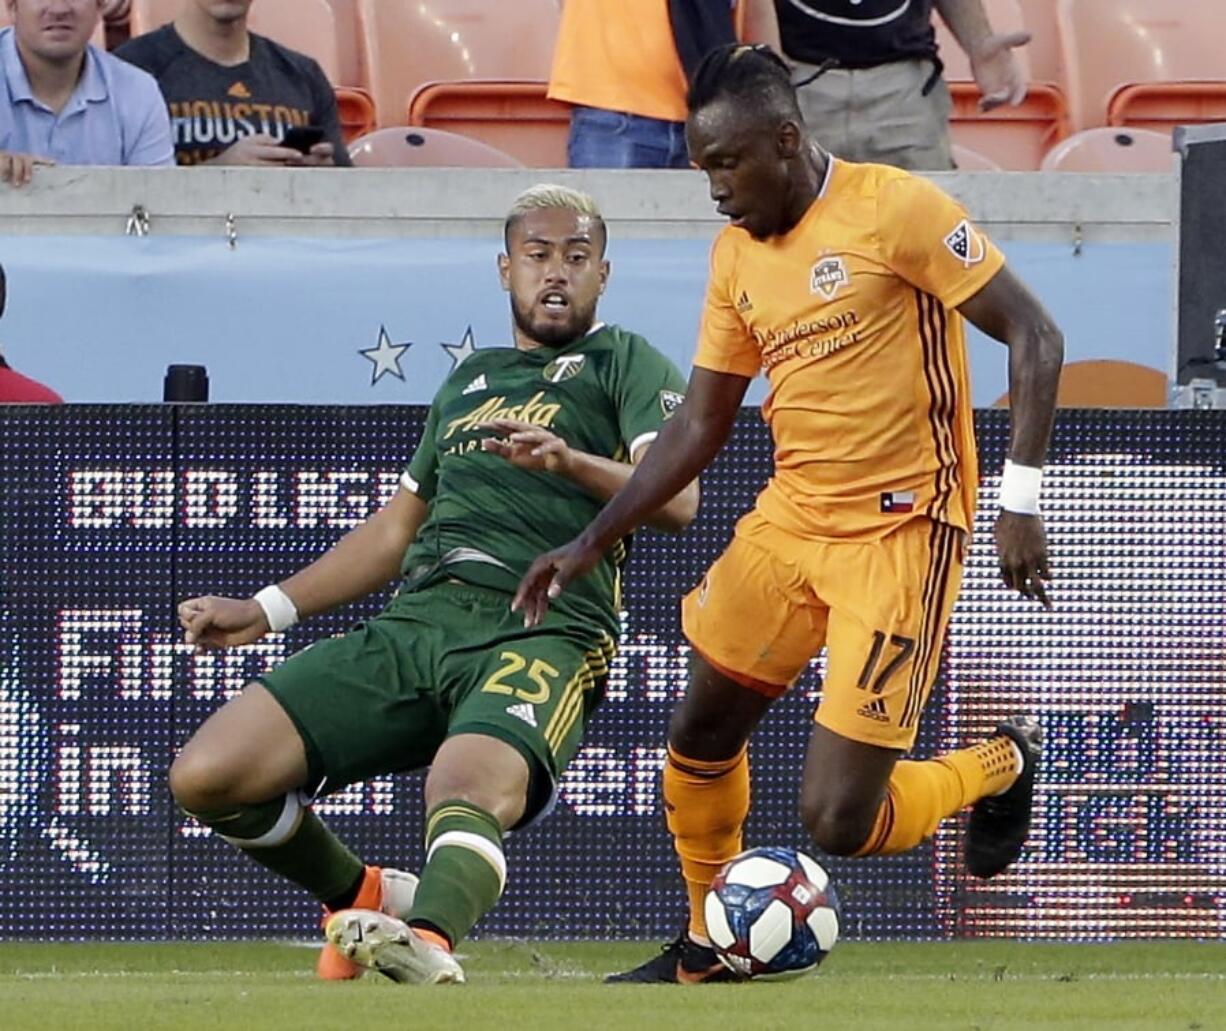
{"type": "Point", "coordinates": [898, 501]}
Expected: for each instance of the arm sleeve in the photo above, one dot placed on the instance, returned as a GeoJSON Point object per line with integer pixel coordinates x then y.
{"type": "Point", "coordinates": [650, 389]}
{"type": "Point", "coordinates": [152, 144]}
{"type": "Point", "coordinates": [724, 341]}
{"type": "Point", "coordinates": [929, 240]}
{"type": "Point", "coordinates": [326, 115]}
{"type": "Point", "coordinates": [421, 474]}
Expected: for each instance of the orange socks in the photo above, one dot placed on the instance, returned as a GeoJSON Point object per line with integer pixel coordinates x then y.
{"type": "Point", "coordinates": [705, 805]}
{"type": "Point", "coordinates": [922, 794]}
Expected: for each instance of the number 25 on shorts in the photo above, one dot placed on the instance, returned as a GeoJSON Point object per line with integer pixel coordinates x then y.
{"type": "Point", "coordinates": [540, 673]}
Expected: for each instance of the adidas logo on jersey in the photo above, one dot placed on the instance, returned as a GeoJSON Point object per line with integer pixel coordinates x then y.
{"type": "Point", "coordinates": [477, 384]}
{"type": "Point", "coordinates": [239, 91]}
{"type": "Point", "coordinates": [743, 304]}
{"type": "Point", "coordinates": [874, 710]}
{"type": "Point", "coordinates": [523, 711]}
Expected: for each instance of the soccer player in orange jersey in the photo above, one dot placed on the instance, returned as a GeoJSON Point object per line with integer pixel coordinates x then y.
{"type": "Point", "coordinates": [847, 284]}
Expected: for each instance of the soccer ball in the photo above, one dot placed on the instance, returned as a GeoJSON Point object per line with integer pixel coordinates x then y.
{"type": "Point", "coordinates": [772, 913]}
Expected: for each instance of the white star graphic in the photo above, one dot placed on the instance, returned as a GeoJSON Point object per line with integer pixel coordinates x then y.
{"type": "Point", "coordinates": [464, 349]}
{"type": "Point", "coordinates": [386, 357]}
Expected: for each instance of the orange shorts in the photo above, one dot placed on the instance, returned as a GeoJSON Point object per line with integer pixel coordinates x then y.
{"type": "Point", "coordinates": [881, 608]}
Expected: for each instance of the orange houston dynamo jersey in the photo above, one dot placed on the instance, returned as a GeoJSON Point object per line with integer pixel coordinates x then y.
{"type": "Point", "coordinates": [619, 56]}
{"type": "Point", "coordinates": [851, 315]}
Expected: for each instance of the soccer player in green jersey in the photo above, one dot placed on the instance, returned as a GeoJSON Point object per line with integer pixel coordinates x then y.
{"type": "Point", "coordinates": [521, 448]}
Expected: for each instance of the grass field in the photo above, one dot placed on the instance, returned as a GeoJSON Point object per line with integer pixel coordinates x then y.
{"type": "Point", "coordinates": [986, 985]}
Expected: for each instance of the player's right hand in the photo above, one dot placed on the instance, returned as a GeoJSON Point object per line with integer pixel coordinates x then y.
{"type": "Point", "coordinates": [548, 576]}
{"type": "Point", "coordinates": [211, 622]}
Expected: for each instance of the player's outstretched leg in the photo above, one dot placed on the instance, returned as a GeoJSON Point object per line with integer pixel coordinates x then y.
{"type": "Point", "coordinates": [999, 823]}
{"type": "Point", "coordinates": [858, 800]}
{"type": "Point", "coordinates": [706, 800]}
{"type": "Point", "coordinates": [477, 788]}
{"type": "Point", "coordinates": [241, 774]}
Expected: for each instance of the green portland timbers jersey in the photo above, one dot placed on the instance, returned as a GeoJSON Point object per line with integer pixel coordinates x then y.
{"type": "Point", "coordinates": [606, 394]}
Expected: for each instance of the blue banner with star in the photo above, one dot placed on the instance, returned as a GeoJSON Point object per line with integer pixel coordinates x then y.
{"type": "Point", "coordinates": [347, 321]}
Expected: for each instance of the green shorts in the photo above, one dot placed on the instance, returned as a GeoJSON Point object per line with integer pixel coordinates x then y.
{"type": "Point", "coordinates": [449, 659]}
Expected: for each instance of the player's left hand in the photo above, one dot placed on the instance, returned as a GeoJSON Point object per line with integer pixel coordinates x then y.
{"type": "Point", "coordinates": [996, 70]}
{"type": "Point", "coordinates": [528, 446]}
{"type": "Point", "coordinates": [548, 577]}
{"type": "Point", "coordinates": [1022, 546]}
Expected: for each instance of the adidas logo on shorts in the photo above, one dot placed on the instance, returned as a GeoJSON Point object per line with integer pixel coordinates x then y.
{"type": "Point", "coordinates": [875, 710]}
{"type": "Point", "coordinates": [523, 711]}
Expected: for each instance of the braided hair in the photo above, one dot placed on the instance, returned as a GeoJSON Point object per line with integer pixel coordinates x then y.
{"type": "Point", "coordinates": [753, 76]}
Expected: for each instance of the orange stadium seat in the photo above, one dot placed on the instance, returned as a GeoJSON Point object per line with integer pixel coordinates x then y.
{"type": "Point", "coordinates": [1014, 137]}
{"type": "Point", "coordinates": [513, 116]}
{"type": "Point", "coordinates": [408, 43]}
{"type": "Point", "coordinates": [308, 26]}
{"type": "Point", "coordinates": [1150, 64]}
{"type": "Point", "coordinates": [969, 160]}
{"type": "Point", "coordinates": [1111, 149]}
{"type": "Point", "coordinates": [1107, 383]}
{"type": "Point", "coordinates": [412, 147]}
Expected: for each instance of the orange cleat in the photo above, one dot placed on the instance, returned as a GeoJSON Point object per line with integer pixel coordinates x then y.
{"type": "Point", "coordinates": [387, 891]}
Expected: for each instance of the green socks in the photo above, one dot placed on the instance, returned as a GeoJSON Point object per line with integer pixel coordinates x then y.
{"type": "Point", "coordinates": [465, 869]}
{"type": "Point", "coordinates": [288, 838]}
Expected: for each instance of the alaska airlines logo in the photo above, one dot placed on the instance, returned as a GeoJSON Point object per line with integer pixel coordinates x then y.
{"type": "Point", "coordinates": [860, 14]}
{"type": "Point", "coordinates": [532, 410]}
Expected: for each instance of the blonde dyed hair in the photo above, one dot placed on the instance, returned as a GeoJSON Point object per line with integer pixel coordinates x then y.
{"type": "Point", "coordinates": [554, 197]}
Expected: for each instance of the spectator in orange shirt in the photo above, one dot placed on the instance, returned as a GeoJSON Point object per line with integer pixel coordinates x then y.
{"type": "Point", "coordinates": [625, 66]}
{"type": "Point", "coordinates": [14, 387]}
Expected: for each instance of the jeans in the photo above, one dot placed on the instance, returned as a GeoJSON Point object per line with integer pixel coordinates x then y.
{"type": "Point", "coordinates": [611, 139]}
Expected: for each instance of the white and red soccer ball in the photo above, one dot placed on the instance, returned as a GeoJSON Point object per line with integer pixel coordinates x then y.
{"type": "Point", "coordinates": [772, 913]}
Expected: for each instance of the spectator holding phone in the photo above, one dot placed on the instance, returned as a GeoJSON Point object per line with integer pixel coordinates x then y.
{"type": "Point", "coordinates": [236, 98]}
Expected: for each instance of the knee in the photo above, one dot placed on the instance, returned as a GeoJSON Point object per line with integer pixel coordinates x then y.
{"type": "Point", "coordinates": [200, 782]}
{"type": "Point", "coordinates": [506, 802]}
{"type": "Point", "coordinates": [837, 829]}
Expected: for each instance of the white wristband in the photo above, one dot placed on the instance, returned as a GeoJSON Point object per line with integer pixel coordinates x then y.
{"type": "Point", "coordinates": [279, 608]}
{"type": "Point", "coordinates": [1019, 488]}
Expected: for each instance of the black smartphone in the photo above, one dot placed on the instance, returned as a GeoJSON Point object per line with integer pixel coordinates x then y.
{"type": "Point", "coordinates": [302, 137]}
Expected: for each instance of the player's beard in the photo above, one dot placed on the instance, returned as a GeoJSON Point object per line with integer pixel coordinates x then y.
{"type": "Point", "coordinates": [553, 334]}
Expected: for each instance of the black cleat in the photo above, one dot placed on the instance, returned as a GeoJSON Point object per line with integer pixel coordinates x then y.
{"type": "Point", "coordinates": [999, 823]}
{"type": "Point", "coordinates": [681, 962]}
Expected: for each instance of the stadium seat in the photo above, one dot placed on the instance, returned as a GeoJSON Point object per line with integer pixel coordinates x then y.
{"type": "Point", "coordinates": [515, 117]}
{"type": "Point", "coordinates": [308, 26]}
{"type": "Point", "coordinates": [1014, 137]}
{"type": "Point", "coordinates": [1043, 50]}
{"type": "Point", "coordinates": [1112, 149]}
{"type": "Point", "coordinates": [969, 160]}
{"type": "Point", "coordinates": [1148, 64]}
{"type": "Point", "coordinates": [407, 43]}
{"type": "Point", "coordinates": [1107, 383]}
{"type": "Point", "coordinates": [411, 147]}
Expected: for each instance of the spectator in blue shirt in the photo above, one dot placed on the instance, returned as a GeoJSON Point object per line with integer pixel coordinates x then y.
{"type": "Point", "coordinates": [64, 101]}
